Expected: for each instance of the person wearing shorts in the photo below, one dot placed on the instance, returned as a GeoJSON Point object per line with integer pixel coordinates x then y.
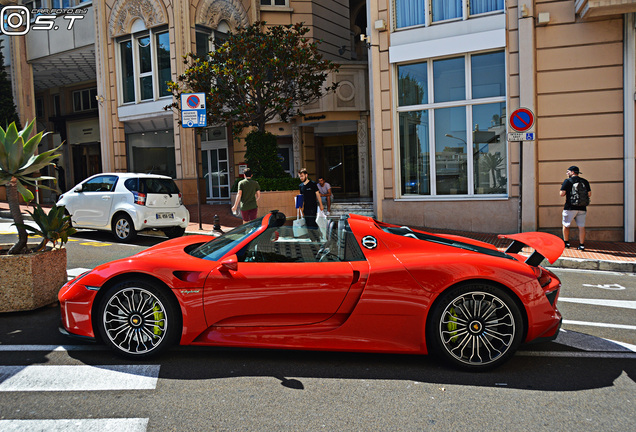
{"type": "Point", "coordinates": [247, 197]}
{"type": "Point", "coordinates": [572, 212]}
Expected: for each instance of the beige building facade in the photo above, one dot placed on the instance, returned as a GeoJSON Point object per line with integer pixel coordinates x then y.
{"type": "Point", "coordinates": [100, 88]}
{"type": "Point", "coordinates": [419, 123]}
{"type": "Point", "coordinates": [445, 78]}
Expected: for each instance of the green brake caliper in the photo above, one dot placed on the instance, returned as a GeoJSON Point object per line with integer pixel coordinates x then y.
{"type": "Point", "coordinates": [158, 315]}
{"type": "Point", "coordinates": [452, 324]}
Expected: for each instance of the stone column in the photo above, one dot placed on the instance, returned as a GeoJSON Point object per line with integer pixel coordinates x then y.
{"type": "Point", "coordinates": [363, 155]}
{"type": "Point", "coordinates": [297, 146]}
{"type": "Point", "coordinates": [22, 80]}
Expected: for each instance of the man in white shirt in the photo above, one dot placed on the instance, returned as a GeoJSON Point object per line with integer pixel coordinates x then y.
{"type": "Point", "coordinates": [325, 193]}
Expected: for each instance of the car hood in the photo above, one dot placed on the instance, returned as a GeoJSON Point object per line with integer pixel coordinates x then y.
{"type": "Point", "coordinates": [175, 245]}
{"type": "Point", "coordinates": [167, 261]}
{"type": "Point", "coordinates": [547, 245]}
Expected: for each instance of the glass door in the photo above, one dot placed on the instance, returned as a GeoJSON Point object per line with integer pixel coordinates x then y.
{"type": "Point", "coordinates": [341, 170]}
{"type": "Point", "coordinates": [216, 173]}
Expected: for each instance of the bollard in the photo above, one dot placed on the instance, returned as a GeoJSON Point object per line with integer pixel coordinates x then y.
{"type": "Point", "coordinates": [217, 224]}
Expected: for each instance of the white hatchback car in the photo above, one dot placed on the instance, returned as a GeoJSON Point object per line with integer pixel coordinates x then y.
{"type": "Point", "coordinates": [125, 203]}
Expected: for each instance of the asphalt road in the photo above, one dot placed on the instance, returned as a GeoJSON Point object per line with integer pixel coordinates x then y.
{"type": "Point", "coordinates": [581, 381]}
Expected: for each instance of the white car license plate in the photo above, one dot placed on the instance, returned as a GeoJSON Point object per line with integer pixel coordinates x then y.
{"type": "Point", "coordinates": [165, 215]}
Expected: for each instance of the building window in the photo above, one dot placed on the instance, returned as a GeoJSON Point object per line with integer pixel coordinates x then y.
{"type": "Point", "coordinates": [144, 61]}
{"type": "Point", "coordinates": [152, 153]}
{"type": "Point", "coordinates": [39, 108]}
{"type": "Point", "coordinates": [410, 13]}
{"type": "Point", "coordinates": [207, 39]}
{"type": "Point", "coordinates": [84, 100]}
{"type": "Point", "coordinates": [52, 4]}
{"type": "Point", "coordinates": [439, 101]}
{"type": "Point", "coordinates": [283, 3]}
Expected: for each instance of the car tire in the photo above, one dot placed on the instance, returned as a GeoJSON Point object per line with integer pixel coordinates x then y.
{"type": "Point", "coordinates": [137, 319]}
{"type": "Point", "coordinates": [475, 327]}
{"type": "Point", "coordinates": [174, 232]}
{"type": "Point", "coordinates": [123, 228]}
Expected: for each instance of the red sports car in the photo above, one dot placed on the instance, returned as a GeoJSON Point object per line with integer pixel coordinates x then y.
{"type": "Point", "coordinates": [354, 285]}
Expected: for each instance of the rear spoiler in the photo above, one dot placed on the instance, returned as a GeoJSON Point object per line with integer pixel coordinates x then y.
{"type": "Point", "coordinates": [545, 245]}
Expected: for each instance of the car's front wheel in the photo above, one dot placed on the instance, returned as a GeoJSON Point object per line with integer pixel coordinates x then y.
{"type": "Point", "coordinates": [123, 228]}
{"type": "Point", "coordinates": [137, 319]}
{"type": "Point", "coordinates": [174, 232]}
{"type": "Point", "coordinates": [475, 327]}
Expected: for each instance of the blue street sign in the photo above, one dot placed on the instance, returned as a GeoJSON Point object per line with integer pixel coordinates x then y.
{"type": "Point", "coordinates": [193, 112]}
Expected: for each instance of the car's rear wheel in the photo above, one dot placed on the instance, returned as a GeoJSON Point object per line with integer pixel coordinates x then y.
{"type": "Point", "coordinates": [174, 232]}
{"type": "Point", "coordinates": [123, 228]}
{"type": "Point", "coordinates": [137, 319]}
{"type": "Point", "coordinates": [475, 327]}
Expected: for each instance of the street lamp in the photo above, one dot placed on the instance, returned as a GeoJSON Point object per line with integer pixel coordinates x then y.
{"type": "Point", "coordinates": [451, 136]}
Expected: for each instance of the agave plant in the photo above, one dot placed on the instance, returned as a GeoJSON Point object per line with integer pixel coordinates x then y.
{"type": "Point", "coordinates": [53, 227]}
{"type": "Point", "coordinates": [18, 162]}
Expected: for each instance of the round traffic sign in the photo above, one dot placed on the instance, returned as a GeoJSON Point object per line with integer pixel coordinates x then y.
{"type": "Point", "coordinates": [521, 120]}
{"type": "Point", "coordinates": [193, 101]}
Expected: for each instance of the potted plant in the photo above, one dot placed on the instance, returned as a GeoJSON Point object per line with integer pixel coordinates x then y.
{"type": "Point", "coordinates": [29, 279]}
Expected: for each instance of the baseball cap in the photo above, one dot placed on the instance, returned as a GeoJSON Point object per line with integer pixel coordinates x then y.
{"type": "Point", "coordinates": [575, 169]}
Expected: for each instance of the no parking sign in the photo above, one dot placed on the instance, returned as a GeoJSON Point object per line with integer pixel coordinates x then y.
{"type": "Point", "coordinates": [193, 110]}
{"type": "Point", "coordinates": [521, 120]}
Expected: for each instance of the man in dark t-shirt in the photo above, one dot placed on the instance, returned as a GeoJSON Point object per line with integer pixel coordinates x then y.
{"type": "Point", "coordinates": [574, 212]}
{"type": "Point", "coordinates": [311, 198]}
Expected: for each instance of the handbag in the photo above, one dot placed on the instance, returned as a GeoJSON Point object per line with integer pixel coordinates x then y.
{"type": "Point", "coordinates": [299, 201]}
{"type": "Point", "coordinates": [321, 221]}
{"type": "Point", "coordinates": [299, 226]}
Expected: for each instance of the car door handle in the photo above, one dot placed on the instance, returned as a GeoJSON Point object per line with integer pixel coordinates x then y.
{"type": "Point", "coordinates": [105, 197]}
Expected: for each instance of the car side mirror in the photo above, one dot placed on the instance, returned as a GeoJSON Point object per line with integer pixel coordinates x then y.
{"type": "Point", "coordinates": [78, 189]}
{"type": "Point", "coordinates": [230, 263]}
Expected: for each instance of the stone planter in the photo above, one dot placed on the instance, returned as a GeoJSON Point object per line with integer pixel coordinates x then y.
{"type": "Point", "coordinates": [275, 200]}
{"type": "Point", "coordinates": [30, 281]}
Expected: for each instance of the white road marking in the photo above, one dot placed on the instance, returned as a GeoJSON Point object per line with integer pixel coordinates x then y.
{"type": "Point", "coordinates": [74, 272]}
{"type": "Point", "coordinates": [79, 425]}
{"type": "Point", "coordinates": [78, 378]}
{"type": "Point", "coordinates": [615, 287]}
{"type": "Point", "coordinates": [573, 354]}
{"type": "Point", "coordinates": [595, 324]}
{"type": "Point", "coordinates": [625, 304]}
{"type": "Point", "coordinates": [50, 348]}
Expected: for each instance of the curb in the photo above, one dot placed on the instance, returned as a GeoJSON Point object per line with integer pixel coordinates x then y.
{"type": "Point", "coordinates": [5, 214]}
{"type": "Point", "coordinates": [587, 264]}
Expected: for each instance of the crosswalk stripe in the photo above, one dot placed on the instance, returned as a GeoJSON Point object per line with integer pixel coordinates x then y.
{"type": "Point", "coordinates": [597, 324]}
{"type": "Point", "coordinates": [78, 378]}
{"type": "Point", "coordinates": [50, 348]}
{"type": "Point", "coordinates": [79, 425]}
{"type": "Point", "coordinates": [625, 304]}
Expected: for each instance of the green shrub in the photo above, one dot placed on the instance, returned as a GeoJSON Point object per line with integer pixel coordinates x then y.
{"type": "Point", "coordinates": [261, 155]}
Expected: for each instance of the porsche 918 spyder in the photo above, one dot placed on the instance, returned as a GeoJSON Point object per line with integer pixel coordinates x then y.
{"type": "Point", "coordinates": [356, 284]}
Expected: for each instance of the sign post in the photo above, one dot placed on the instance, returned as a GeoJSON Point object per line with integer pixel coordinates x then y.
{"type": "Point", "coordinates": [193, 114]}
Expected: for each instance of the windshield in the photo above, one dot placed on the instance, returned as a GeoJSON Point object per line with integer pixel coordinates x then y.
{"type": "Point", "coordinates": [215, 249]}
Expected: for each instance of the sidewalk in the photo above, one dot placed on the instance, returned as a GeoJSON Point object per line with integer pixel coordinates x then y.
{"type": "Point", "coordinates": [611, 256]}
